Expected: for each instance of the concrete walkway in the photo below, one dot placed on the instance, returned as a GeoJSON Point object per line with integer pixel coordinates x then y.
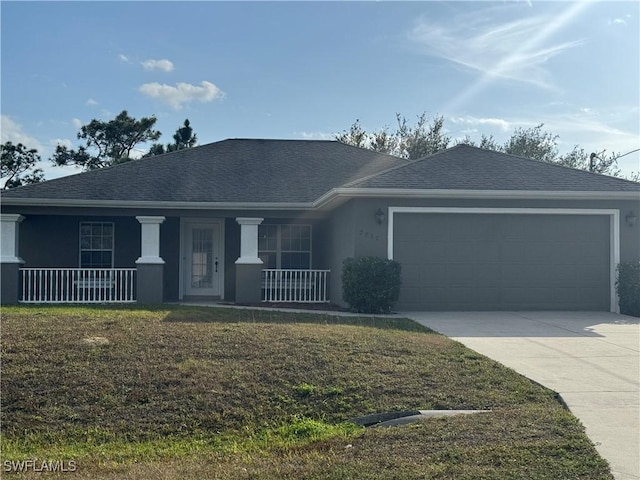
{"type": "Point", "coordinates": [591, 359]}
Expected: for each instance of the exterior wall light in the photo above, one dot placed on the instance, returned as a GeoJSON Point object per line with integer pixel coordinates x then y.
{"type": "Point", "coordinates": [379, 216]}
{"type": "Point", "coordinates": [631, 219]}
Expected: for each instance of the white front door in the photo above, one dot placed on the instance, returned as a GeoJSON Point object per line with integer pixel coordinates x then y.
{"type": "Point", "coordinates": [202, 266]}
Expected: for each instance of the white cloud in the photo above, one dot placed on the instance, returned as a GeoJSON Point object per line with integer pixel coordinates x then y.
{"type": "Point", "coordinates": [124, 58]}
{"type": "Point", "coordinates": [513, 50]}
{"type": "Point", "coordinates": [163, 64]}
{"type": "Point", "coordinates": [316, 135]}
{"type": "Point", "coordinates": [11, 131]}
{"type": "Point", "coordinates": [91, 103]}
{"type": "Point", "coordinates": [504, 125]}
{"type": "Point", "coordinates": [76, 122]}
{"type": "Point", "coordinates": [620, 21]}
{"type": "Point", "coordinates": [182, 93]}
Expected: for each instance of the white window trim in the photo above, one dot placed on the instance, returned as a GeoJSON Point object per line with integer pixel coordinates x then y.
{"type": "Point", "coordinates": [614, 230]}
{"type": "Point", "coordinates": [279, 250]}
{"type": "Point", "coordinates": [113, 241]}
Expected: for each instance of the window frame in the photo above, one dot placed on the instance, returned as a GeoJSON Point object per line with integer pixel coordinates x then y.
{"type": "Point", "coordinates": [279, 251]}
{"type": "Point", "coordinates": [82, 250]}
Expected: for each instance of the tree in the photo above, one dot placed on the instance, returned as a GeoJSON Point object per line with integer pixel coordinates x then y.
{"type": "Point", "coordinates": [423, 139]}
{"type": "Point", "coordinates": [182, 139]}
{"type": "Point", "coordinates": [533, 143]}
{"type": "Point", "coordinates": [426, 138]}
{"type": "Point", "coordinates": [594, 162]}
{"type": "Point", "coordinates": [156, 149]}
{"type": "Point", "coordinates": [356, 136]}
{"type": "Point", "coordinates": [18, 164]}
{"type": "Point", "coordinates": [108, 143]}
{"type": "Point", "coordinates": [408, 141]}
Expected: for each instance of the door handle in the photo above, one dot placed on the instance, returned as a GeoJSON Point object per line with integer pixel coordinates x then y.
{"type": "Point", "coordinates": [216, 264]}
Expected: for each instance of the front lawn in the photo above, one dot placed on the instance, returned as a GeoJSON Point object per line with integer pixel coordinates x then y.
{"type": "Point", "coordinates": [186, 392]}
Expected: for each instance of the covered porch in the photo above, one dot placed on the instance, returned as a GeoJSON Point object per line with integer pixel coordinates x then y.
{"type": "Point", "coordinates": [153, 259]}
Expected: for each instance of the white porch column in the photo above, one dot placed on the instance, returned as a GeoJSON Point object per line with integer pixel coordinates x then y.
{"type": "Point", "coordinates": [248, 265]}
{"type": "Point", "coordinates": [150, 240]}
{"type": "Point", "coordinates": [9, 259]}
{"type": "Point", "coordinates": [249, 241]}
{"type": "Point", "coordinates": [9, 237]}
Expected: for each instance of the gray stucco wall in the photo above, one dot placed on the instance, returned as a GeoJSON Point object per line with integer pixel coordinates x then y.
{"type": "Point", "coordinates": [354, 232]}
{"type": "Point", "coordinates": [170, 253]}
{"type": "Point", "coordinates": [341, 245]}
{"type": "Point", "coordinates": [40, 235]}
{"type": "Point", "coordinates": [47, 241]}
{"type": "Point", "coordinates": [350, 230]}
{"type": "Point", "coordinates": [231, 254]}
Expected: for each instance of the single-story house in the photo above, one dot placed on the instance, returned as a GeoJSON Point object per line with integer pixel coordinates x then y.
{"type": "Point", "coordinates": [246, 220]}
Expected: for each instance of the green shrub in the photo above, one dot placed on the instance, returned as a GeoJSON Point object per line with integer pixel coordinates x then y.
{"type": "Point", "coordinates": [370, 284]}
{"type": "Point", "coordinates": [628, 288]}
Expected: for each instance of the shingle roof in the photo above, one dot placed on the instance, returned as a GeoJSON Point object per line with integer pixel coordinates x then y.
{"type": "Point", "coordinates": [236, 170]}
{"type": "Point", "coordinates": [246, 171]}
{"type": "Point", "coordinates": [464, 167]}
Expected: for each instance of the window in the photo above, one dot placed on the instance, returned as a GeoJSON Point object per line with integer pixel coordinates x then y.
{"type": "Point", "coordinates": [96, 245]}
{"type": "Point", "coordinates": [285, 246]}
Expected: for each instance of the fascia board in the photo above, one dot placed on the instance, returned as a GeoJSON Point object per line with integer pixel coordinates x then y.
{"type": "Point", "coordinates": [157, 205]}
{"type": "Point", "coordinates": [337, 193]}
{"type": "Point", "coordinates": [329, 199]}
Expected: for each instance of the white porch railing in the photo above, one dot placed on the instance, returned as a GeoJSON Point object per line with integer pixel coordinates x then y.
{"type": "Point", "coordinates": [303, 286]}
{"type": "Point", "coordinates": [77, 285]}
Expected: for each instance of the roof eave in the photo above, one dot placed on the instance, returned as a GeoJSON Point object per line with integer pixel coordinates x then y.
{"type": "Point", "coordinates": [158, 204]}
{"type": "Point", "coordinates": [341, 194]}
{"type": "Point", "coordinates": [333, 198]}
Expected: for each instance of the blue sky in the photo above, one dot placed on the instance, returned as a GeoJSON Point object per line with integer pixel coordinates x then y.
{"type": "Point", "coordinates": [309, 69]}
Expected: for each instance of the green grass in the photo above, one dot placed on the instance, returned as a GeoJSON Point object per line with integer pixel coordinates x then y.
{"type": "Point", "coordinates": [189, 392]}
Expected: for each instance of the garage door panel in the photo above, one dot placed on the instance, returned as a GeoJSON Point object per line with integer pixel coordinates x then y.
{"type": "Point", "coordinates": [510, 274]}
{"type": "Point", "coordinates": [511, 252]}
{"type": "Point", "coordinates": [433, 253]}
{"type": "Point", "coordinates": [434, 275]}
{"type": "Point", "coordinates": [461, 276]}
{"type": "Point", "coordinates": [487, 275]}
{"type": "Point", "coordinates": [593, 275]}
{"type": "Point", "coordinates": [565, 276]}
{"type": "Point", "coordinates": [487, 252]}
{"type": "Point", "coordinates": [528, 296]}
{"type": "Point", "coordinates": [421, 251]}
{"type": "Point", "coordinates": [591, 296]}
{"type": "Point", "coordinates": [590, 251]}
{"type": "Point", "coordinates": [411, 274]}
{"type": "Point", "coordinates": [503, 261]}
{"type": "Point", "coordinates": [460, 252]}
{"type": "Point", "coordinates": [537, 275]}
{"type": "Point", "coordinates": [469, 296]}
{"type": "Point", "coordinates": [566, 295]}
{"type": "Point", "coordinates": [540, 252]}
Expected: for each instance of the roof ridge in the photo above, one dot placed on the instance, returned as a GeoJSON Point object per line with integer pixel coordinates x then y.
{"type": "Point", "coordinates": [257, 139]}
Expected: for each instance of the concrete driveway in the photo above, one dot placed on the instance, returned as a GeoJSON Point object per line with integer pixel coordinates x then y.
{"type": "Point", "coordinates": [591, 359]}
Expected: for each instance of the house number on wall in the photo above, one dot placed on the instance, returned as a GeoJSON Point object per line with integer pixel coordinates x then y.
{"type": "Point", "coordinates": [370, 235]}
